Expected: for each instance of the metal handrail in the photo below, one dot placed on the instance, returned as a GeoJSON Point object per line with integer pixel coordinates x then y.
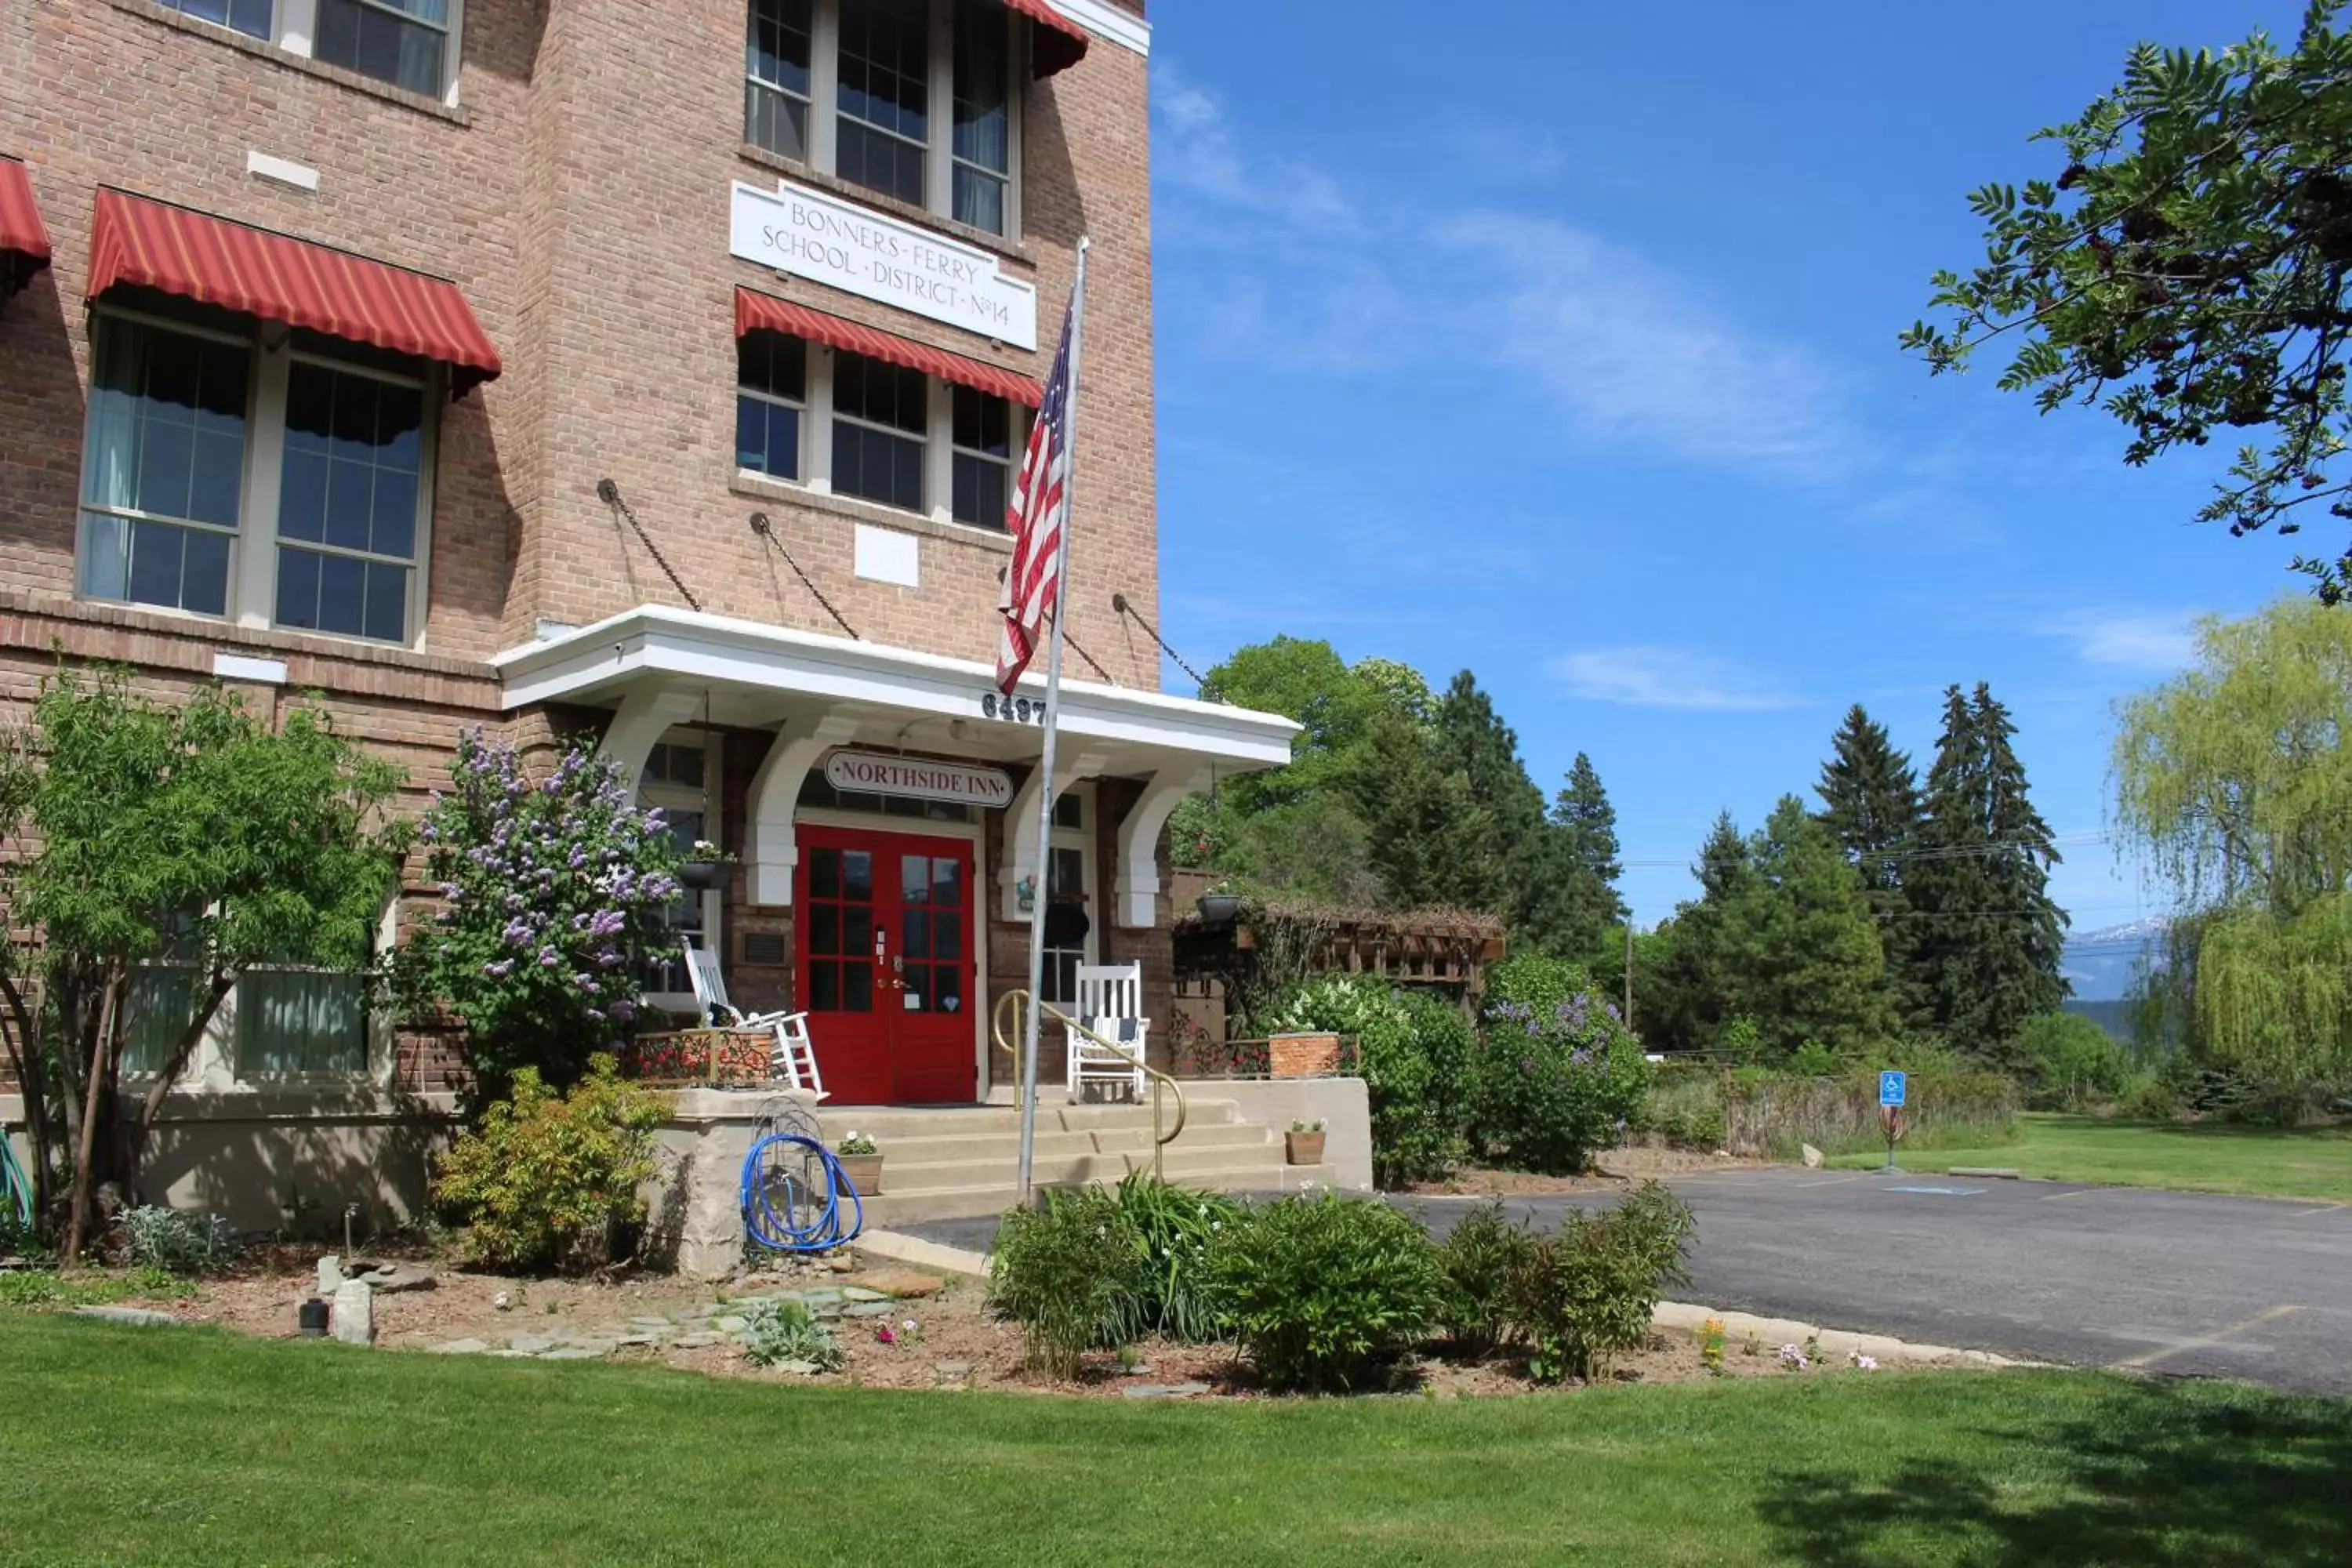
{"type": "Point", "coordinates": [1020, 1087]}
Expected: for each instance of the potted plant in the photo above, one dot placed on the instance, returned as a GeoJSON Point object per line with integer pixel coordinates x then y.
{"type": "Point", "coordinates": [861, 1162]}
{"type": "Point", "coordinates": [1303, 1144]}
{"type": "Point", "coordinates": [705, 867]}
{"type": "Point", "coordinates": [1220, 905]}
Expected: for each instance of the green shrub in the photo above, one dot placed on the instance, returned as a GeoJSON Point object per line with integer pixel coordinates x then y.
{"type": "Point", "coordinates": [176, 1243]}
{"type": "Point", "coordinates": [1478, 1260]}
{"type": "Point", "coordinates": [1174, 1229]}
{"type": "Point", "coordinates": [1068, 1273]}
{"type": "Point", "coordinates": [551, 1180]}
{"type": "Point", "coordinates": [2063, 1061]}
{"type": "Point", "coordinates": [779, 1332]}
{"type": "Point", "coordinates": [1413, 1060]}
{"type": "Point", "coordinates": [1559, 1077]}
{"type": "Point", "coordinates": [1588, 1295]}
{"type": "Point", "coordinates": [1684, 1106]}
{"type": "Point", "coordinates": [1321, 1291]}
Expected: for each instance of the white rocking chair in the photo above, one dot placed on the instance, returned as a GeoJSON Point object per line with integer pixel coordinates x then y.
{"type": "Point", "coordinates": [1109, 1002]}
{"type": "Point", "coordinates": [792, 1058]}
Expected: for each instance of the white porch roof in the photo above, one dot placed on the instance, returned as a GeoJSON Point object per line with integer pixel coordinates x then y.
{"type": "Point", "coordinates": [660, 666]}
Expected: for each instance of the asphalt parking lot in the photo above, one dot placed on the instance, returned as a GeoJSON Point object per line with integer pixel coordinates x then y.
{"type": "Point", "coordinates": [2177, 1283]}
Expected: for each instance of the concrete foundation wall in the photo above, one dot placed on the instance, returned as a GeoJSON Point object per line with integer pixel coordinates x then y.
{"type": "Point", "coordinates": [694, 1205]}
{"type": "Point", "coordinates": [1342, 1104]}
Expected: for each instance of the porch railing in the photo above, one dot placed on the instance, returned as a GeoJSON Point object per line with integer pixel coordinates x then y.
{"type": "Point", "coordinates": [1012, 1002]}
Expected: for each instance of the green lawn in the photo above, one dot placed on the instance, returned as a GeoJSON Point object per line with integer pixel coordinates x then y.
{"type": "Point", "coordinates": [2209, 1157]}
{"type": "Point", "coordinates": [194, 1446]}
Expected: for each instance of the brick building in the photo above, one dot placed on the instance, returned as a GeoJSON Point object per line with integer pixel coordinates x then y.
{"type": "Point", "coordinates": [653, 369]}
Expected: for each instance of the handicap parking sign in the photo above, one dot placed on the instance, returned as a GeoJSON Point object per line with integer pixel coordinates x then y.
{"type": "Point", "coordinates": [1891, 1086]}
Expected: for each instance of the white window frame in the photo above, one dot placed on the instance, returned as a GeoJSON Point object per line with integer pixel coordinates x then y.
{"type": "Point", "coordinates": [708, 801]}
{"type": "Point", "coordinates": [825, 111]}
{"type": "Point", "coordinates": [800, 409]}
{"type": "Point", "coordinates": [1081, 839]}
{"type": "Point", "coordinates": [254, 548]}
{"type": "Point", "coordinates": [1014, 443]}
{"type": "Point", "coordinates": [294, 28]}
{"type": "Point", "coordinates": [818, 416]}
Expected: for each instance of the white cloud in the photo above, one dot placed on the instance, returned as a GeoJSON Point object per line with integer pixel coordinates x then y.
{"type": "Point", "coordinates": [1651, 677]}
{"type": "Point", "coordinates": [1629, 354]}
{"type": "Point", "coordinates": [2160, 644]}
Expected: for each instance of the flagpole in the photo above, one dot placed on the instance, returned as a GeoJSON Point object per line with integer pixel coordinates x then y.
{"type": "Point", "coordinates": [1041, 882]}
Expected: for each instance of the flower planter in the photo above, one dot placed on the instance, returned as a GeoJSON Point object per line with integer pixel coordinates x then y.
{"type": "Point", "coordinates": [865, 1174]}
{"type": "Point", "coordinates": [1303, 1148]}
{"type": "Point", "coordinates": [703, 876]}
{"type": "Point", "coordinates": [1218, 908]}
{"type": "Point", "coordinates": [1309, 1055]}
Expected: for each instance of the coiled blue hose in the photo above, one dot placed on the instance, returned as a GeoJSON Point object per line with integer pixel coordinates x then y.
{"type": "Point", "coordinates": [809, 1221]}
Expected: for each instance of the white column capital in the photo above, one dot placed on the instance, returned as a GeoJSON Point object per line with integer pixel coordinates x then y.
{"type": "Point", "coordinates": [771, 849]}
{"type": "Point", "coordinates": [1021, 823]}
{"type": "Point", "coordinates": [1136, 892]}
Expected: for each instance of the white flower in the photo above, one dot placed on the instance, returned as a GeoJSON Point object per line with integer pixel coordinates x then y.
{"type": "Point", "coordinates": [1867, 1363]}
{"type": "Point", "coordinates": [910, 1325]}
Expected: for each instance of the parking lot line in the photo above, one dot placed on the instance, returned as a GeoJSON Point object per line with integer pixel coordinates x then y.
{"type": "Point", "coordinates": [1840, 1181]}
{"type": "Point", "coordinates": [2081, 1192]}
{"type": "Point", "coordinates": [2324, 1208]}
{"type": "Point", "coordinates": [2201, 1341]}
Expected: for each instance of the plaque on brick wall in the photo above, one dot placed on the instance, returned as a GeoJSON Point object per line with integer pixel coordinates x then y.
{"type": "Point", "coordinates": [764, 947]}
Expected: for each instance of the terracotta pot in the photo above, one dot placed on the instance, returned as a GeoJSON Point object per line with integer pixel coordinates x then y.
{"type": "Point", "coordinates": [1303, 1148]}
{"type": "Point", "coordinates": [865, 1174]}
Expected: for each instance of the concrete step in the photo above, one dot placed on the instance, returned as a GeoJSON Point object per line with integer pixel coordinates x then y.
{"type": "Point", "coordinates": [1179, 1160]}
{"type": "Point", "coordinates": [973, 1146]}
{"type": "Point", "coordinates": [896, 1208]}
{"type": "Point", "coordinates": [886, 1124]}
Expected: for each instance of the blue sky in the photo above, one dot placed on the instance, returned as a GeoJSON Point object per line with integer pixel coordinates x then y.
{"type": "Point", "coordinates": [1552, 342]}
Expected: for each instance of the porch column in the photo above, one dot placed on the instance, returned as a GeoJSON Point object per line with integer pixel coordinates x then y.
{"type": "Point", "coordinates": [644, 716]}
{"type": "Point", "coordinates": [1021, 823]}
{"type": "Point", "coordinates": [1137, 890]}
{"type": "Point", "coordinates": [771, 849]}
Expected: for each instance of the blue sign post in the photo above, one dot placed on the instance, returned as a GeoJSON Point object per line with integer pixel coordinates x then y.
{"type": "Point", "coordinates": [1892, 1088]}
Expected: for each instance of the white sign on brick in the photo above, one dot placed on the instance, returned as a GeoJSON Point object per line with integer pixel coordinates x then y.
{"type": "Point", "coordinates": [811, 235]}
{"type": "Point", "coordinates": [872, 773]}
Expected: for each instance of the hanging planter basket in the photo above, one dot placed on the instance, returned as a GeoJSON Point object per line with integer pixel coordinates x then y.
{"type": "Point", "coordinates": [1218, 908]}
{"type": "Point", "coordinates": [703, 876]}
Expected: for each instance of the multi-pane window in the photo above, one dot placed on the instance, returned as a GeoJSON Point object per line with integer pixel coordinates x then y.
{"type": "Point", "coordinates": [881, 414]}
{"type": "Point", "coordinates": [404, 42]}
{"type": "Point", "coordinates": [250, 17]}
{"type": "Point", "coordinates": [854, 89]}
{"type": "Point", "coordinates": [930, 932]}
{"type": "Point", "coordinates": [347, 502]}
{"type": "Point", "coordinates": [840, 915]}
{"type": "Point", "coordinates": [175, 507]}
{"type": "Point", "coordinates": [771, 395]}
{"type": "Point", "coordinates": [164, 469]}
{"type": "Point", "coordinates": [778, 90]}
{"type": "Point", "coordinates": [279, 1021]}
{"type": "Point", "coordinates": [675, 781]}
{"type": "Point", "coordinates": [884, 124]}
{"type": "Point", "coordinates": [983, 457]}
{"type": "Point", "coordinates": [984, 118]}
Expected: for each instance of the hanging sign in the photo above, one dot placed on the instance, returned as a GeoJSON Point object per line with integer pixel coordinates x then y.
{"type": "Point", "coordinates": [870, 772]}
{"type": "Point", "coordinates": [812, 234]}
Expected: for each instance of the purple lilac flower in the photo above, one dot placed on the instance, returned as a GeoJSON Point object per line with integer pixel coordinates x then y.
{"type": "Point", "coordinates": [550, 959]}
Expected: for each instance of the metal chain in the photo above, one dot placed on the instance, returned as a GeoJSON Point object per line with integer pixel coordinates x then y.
{"type": "Point", "coordinates": [1119, 602]}
{"type": "Point", "coordinates": [610, 494]}
{"type": "Point", "coordinates": [766, 529]}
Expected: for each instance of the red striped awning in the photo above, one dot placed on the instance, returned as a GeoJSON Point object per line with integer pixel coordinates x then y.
{"type": "Point", "coordinates": [23, 239]}
{"type": "Point", "coordinates": [763, 312]}
{"type": "Point", "coordinates": [1057, 43]}
{"type": "Point", "coordinates": [153, 245]}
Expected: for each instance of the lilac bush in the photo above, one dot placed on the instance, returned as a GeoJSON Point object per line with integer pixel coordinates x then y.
{"type": "Point", "coordinates": [1559, 1073]}
{"type": "Point", "coordinates": [551, 891]}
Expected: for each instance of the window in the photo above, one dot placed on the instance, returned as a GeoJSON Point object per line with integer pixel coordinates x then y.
{"type": "Point", "coordinates": [771, 391]}
{"type": "Point", "coordinates": [163, 466]}
{"type": "Point", "coordinates": [885, 74]}
{"type": "Point", "coordinates": [404, 42]}
{"type": "Point", "coordinates": [881, 414]}
{"type": "Point", "coordinates": [285, 487]}
{"type": "Point", "coordinates": [854, 88]}
{"type": "Point", "coordinates": [983, 457]}
{"type": "Point", "coordinates": [250, 17]}
{"type": "Point", "coordinates": [857, 427]}
{"type": "Point", "coordinates": [984, 118]}
{"type": "Point", "coordinates": [676, 779]}
{"type": "Point", "coordinates": [777, 89]}
{"type": "Point", "coordinates": [1068, 901]}
{"type": "Point", "coordinates": [279, 1021]}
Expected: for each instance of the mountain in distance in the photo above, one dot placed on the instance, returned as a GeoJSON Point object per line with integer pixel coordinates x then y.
{"type": "Point", "coordinates": [2101, 965]}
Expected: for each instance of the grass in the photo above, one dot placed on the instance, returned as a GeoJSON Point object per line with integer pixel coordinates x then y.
{"type": "Point", "coordinates": [2205, 1157]}
{"type": "Point", "coordinates": [196, 1447]}
{"type": "Point", "coordinates": [39, 1289]}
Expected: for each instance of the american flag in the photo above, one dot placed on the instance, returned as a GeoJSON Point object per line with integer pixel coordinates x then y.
{"type": "Point", "coordinates": [1036, 515]}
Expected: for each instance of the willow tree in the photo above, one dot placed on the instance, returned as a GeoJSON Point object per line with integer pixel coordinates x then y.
{"type": "Point", "coordinates": [2234, 778]}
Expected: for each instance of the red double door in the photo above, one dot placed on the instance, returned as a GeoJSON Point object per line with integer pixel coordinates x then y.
{"type": "Point", "coordinates": [884, 950]}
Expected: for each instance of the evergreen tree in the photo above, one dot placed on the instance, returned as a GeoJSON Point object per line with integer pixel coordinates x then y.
{"type": "Point", "coordinates": [1804, 960]}
{"type": "Point", "coordinates": [1985, 957]}
{"type": "Point", "coordinates": [1517, 870]}
{"type": "Point", "coordinates": [1429, 838]}
{"type": "Point", "coordinates": [1691, 1002]}
{"type": "Point", "coordinates": [1572, 908]}
{"type": "Point", "coordinates": [1870, 802]}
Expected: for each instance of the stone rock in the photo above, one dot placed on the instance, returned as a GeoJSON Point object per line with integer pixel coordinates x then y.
{"type": "Point", "coordinates": [952, 1368]}
{"type": "Point", "coordinates": [840, 1265]}
{"type": "Point", "coordinates": [657, 1325]}
{"type": "Point", "coordinates": [639, 1339]}
{"type": "Point", "coordinates": [901, 1282]}
{"type": "Point", "coordinates": [1140, 1369]}
{"type": "Point", "coordinates": [353, 1319]}
{"type": "Point", "coordinates": [825, 1297]}
{"type": "Point", "coordinates": [529, 1344]}
{"type": "Point", "coordinates": [462, 1347]}
{"type": "Point", "coordinates": [1163, 1390]}
{"type": "Point", "coordinates": [867, 1309]}
{"type": "Point", "coordinates": [694, 1341]}
{"type": "Point", "coordinates": [696, 1314]}
{"type": "Point", "coordinates": [388, 1277]}
{"type": "Point", "coordinates": [1723, 1153]}
{"type": "Point", "coordinates": [1814, 1158]}
{"type": "Point", "coordinates": [799, 1368]}
{"type": "Point", "coordinates": [731, 1325]}
{"type": "Point", "coordinates": [331, 1275]}
{"type": "Point", "coordinates": [861, 1293]}
{"type": "Point", "coordinates": [130, 1317]}
{"type": "Point", "coordinates": [577, 1353]}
